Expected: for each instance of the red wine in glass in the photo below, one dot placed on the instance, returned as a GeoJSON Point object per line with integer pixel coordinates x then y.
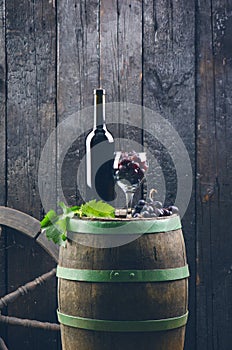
{"type": "Point", "coordinates": [129, 172]}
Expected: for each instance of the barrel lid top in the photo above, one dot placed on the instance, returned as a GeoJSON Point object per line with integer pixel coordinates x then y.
{"type": "Point", "coordinates": [124, 226]}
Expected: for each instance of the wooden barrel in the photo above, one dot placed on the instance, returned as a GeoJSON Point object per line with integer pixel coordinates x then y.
{"type": "Point", "coordinates": [130, 297]}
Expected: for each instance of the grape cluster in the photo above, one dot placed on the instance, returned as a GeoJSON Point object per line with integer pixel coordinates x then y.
{"type": "Point", "coordinates": [131, 168]}
{"type": "Point", "coordinates": [152, 209]}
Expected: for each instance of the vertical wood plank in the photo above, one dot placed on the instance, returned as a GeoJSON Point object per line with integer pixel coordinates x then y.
{"type": "Point", "coordinates": [130, 52]}
{"type": "Point", "coordinates": [121, 51]}
{"type": "Point", "coordinates": [2, 104]}
{"type": "Point", "coordinates": [130, 75]}
{"type": "Point", "coordinates": [109, 65]}
{"type": "Point", "coordinates": [121, 46]}
{"type": "Point", "coordinates": [78, 55]}
{"type": "Point", "coordinates": [130, 66]}
{"type": "Point", "coordinates": [31, 92]}
{"type": "Point", "coordinates": [121, 68]}
{"type": "Point", "coordinates": [31, 41]}
{"type": "Point", "coordinates": [2, 149]}
{"type": "Point", "coordinates": [169, 89]}
{"type": "Point", "coordinates": [205, 160]}
{"type": "Point", "coordinates": [222, 246]}
{"type": "Point", "coordinates": [214, 107]}
{"type": "Point", "coordinates": [78, 75]}
{"type": "Point", "coordinates": [109, 72]}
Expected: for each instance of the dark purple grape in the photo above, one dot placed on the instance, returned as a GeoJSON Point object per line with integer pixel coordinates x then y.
{"type": "Point", "coordinates": [166, 212]}
{"type": "Point", "coordinates": [159, 212]}
{"type": "Point", "coordinates": [141, 202]}
{"type": "Point", "coordinates": [122, 169]}
{"type": "Point", "coordinates": [138, 209]}
{"type": "Point", "coordinates": [150, 209]}
{"type": "Point", "coordinates": [173, 209]}
{"type": "Point", "coordinates": [131, 167]}
{"type": "Point", "coordinates": [157, 204]}
{"type": "Point", "coordinates": [145, 207]}
{"type": "Point", "coordinates": [124, 162]}
{"type": "Point", "coordinates": [136, 215]}
{"type": "Point", "coordinates": [143, 166]}
{"type": "Point", "coordinates": [135, 165]}
{"type": "Point", "coordinates": [145, 214]}
{"type": "Point", "coordinates": [135, 158]}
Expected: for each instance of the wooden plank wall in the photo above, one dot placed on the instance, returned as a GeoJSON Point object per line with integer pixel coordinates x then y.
{"type": "Point", "coordinates": [3, 287]}
{"type": "Point", "coordinates": [214, 130]}
{"type": "Point", "coordinates": [171, 56]}
{"type": "Point", "coordinates": [169, 89]}
{"type": "Point", "coordinates": [31, 115]}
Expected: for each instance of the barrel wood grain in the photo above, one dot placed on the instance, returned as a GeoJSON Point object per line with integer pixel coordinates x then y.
{"type": "Point", "coordinates": [125, 301]}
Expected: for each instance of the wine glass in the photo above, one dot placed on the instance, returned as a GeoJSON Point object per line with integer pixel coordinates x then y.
{"type": "Point", "coordinates": [129, 173]}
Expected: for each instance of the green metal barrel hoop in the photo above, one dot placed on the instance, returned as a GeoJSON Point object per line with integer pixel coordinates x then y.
{"type": "Point", "coordinates": [122, 326]}
{"type": "Point", "coordinates": [158, 275]}
{"type": "Point", "coordinates": [127, 227]}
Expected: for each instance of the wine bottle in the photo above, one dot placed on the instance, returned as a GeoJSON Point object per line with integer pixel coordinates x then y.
{"type": "Point", "coordinates": [100, 154]}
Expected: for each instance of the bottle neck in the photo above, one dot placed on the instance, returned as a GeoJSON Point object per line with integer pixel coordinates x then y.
{"type": "Point", "coordinates": [99, 112]}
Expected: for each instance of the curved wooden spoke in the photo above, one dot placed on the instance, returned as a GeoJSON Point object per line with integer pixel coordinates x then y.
{"type": "Point", "coordinates": [19, 221]}
{"type": "Point", "coordinates": [11, 297]}
{"type": "Point", "coordinates": [29, 226]}
{"type": "Point", "coordinates": [29, 323]}
{"type": "Point", "coordinates": [28, 287]}
{"type": "Point", "coordinates": [3, 345]}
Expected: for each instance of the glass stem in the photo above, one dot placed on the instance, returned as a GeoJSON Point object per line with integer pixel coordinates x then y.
{"type": "Point", "coordinates": [129, 200]}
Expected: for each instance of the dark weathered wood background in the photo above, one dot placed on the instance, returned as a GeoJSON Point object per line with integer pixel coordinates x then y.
{"type": "Point", "coordinates": [173, 56]}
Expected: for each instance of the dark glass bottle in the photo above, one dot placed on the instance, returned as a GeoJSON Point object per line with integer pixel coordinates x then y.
{"type": "Point", "coordinates": [100, 154]}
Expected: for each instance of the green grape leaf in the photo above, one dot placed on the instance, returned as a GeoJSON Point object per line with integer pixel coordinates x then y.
{"type": "Point", "coordinates": [55, 226]}
{"type": "Point", "coordinates": [67, 211]}
{"type": "Point", "coordinates": [49, 218]}
{"type": "Point", "coordinates": [97, 209]}
{"type": "Point", "coordinates": [57, 232]}
{"type": "Point", "coordinates": [75, 208]}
